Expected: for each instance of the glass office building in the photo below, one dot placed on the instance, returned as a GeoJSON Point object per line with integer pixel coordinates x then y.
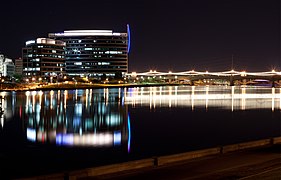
{"type": "Point", "coordinates": [43, 57]}
{"type": "Point", "coordinates": [93, 53]}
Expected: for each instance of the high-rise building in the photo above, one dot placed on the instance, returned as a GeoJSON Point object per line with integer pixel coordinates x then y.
{"type": "Point", "coordinates": [43, 57]}
{"type": "Point", "coordinates": [18, 66]}
{"type": "Point", "coordinates": [2, 60]}
{"type": "Point", "coordinates": [94, 52]}
{"type": "Point", "coordinates": [8, 67]}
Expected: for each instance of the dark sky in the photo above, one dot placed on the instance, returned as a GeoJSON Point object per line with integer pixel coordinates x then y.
{"type": "Point", "coordinates": [167, 35]}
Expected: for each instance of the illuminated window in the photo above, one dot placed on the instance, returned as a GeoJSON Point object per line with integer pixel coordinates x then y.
{"type": "Point", "coordinates": [78, 63]}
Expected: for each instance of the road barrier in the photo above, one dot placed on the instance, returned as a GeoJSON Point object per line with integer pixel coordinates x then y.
{"type": "Point", "coordinates": [246, 145]}
{"type": "Point", "coordinates": [162, 160]}
{"type": "Point", "coordinates": [277, 140]}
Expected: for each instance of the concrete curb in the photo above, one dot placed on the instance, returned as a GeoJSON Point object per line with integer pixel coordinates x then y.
{"type": "Point", "coordinates": [277, 140]}
{"type": "Point", "coordinates": [160, 161]}
{"type": "Point", "coordinates": [246, 145]}
{"type": "Point", "coordinates": [114, 168]}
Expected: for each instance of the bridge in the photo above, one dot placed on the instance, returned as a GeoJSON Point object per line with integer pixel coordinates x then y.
{"type": "Point", "coordinates": [192, 77]}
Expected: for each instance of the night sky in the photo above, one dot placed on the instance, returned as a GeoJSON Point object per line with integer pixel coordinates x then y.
{"type": "Point", "coordinates": [166, 35]}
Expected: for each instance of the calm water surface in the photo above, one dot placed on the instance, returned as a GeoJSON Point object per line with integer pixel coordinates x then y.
{"type": "Point", "coordinates": [69, 129]}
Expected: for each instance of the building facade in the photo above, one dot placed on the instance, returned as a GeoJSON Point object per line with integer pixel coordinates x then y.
{"type": "Point", "coordinates": [93, 53]}
{"type": "Point", "coordinates": [7, 67]}
{"type": "Point", "coordinates": [18, 66]}
{"type": "Point", "coordinates": [2, 60]}
{"type": "Point", "coordinates": [43, 57]}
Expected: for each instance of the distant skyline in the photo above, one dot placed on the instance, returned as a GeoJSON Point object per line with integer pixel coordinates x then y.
{"type": "Point", "coordinates": [173, 35]}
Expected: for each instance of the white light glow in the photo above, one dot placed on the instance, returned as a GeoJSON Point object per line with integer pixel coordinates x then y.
{"type": "Point", "coordinates": [30, 42]}
{"type": "Point", "coordinates": [86, 33]}
{"type": "Point", "coordinates": [191, 97]}
{"type": "Point", "coordinates": [31, 134]}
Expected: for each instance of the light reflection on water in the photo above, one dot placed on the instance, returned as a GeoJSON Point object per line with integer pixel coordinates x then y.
{"type": "Point", "coordinates": [73, 117]}
{"type": "Point", "coordinates": [225, 97]}
{"type": "Point", "coordinates": [100, 117]}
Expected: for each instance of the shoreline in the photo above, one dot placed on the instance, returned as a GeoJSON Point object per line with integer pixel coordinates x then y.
{"type": "Point", "coordinates": [99, 86]}
{"type": "Point", "coordinates": [85, 86]}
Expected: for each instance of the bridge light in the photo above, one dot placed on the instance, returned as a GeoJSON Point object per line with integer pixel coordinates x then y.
{"type": "Point", "coordinates": [232, 70]}
{"type": "Point", "coordinates": [243, 73]}
{"type": "Point", "coordinates": [192, 70]}
{"type": "Point", "coordinates": [150, 70]}
{"type": "Point", "coordinates": [155, 71]}
{"type": "Point", "coordinates": [273, 71]}
{"type": "Point", "coordinates": [170, 72]}
{"type": "Point", "coordinates": [207, 72]}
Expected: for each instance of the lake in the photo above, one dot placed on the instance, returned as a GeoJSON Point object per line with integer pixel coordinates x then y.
{"type": "Point", "coordinates": [50, 131]}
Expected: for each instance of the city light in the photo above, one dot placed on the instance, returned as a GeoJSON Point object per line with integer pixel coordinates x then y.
{"type": "Point", "coordinates": [188, 73]}
{"type": "Point", "coordinates": [193, 96]}
{"type": "Point", "coordinates": [243, 73]}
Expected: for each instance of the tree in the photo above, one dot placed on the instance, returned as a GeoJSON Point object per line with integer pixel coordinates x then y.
{"type": "Point", "coordinates": [18, 77]}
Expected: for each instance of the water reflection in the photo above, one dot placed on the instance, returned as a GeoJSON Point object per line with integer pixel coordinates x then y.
{"type": "Point", "coordinates": [6, 100]}
{"type": "Point", "coordinates": [77, 117]}
{"type": "Point", "coordinates": [100, 117]}
{"type": "Point", "coordinates": [233, 98]}
{"type": "Point", "coordinates": [1, 111]}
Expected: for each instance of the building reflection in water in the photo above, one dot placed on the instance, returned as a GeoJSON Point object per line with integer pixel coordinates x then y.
{"type": "Point", "coordinates": [7, 100]}
{"type": "Point", "coordinates": [224, 97]}
{"type": "Point", "coordinates": [2, 104]}
{"type": "Point", "coordinates": [99, 117]}
{"type": "Point", "coordinates": [96, 118]}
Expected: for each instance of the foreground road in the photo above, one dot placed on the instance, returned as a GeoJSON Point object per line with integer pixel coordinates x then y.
{"type": "Point", "coordinates": [255, 164]}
